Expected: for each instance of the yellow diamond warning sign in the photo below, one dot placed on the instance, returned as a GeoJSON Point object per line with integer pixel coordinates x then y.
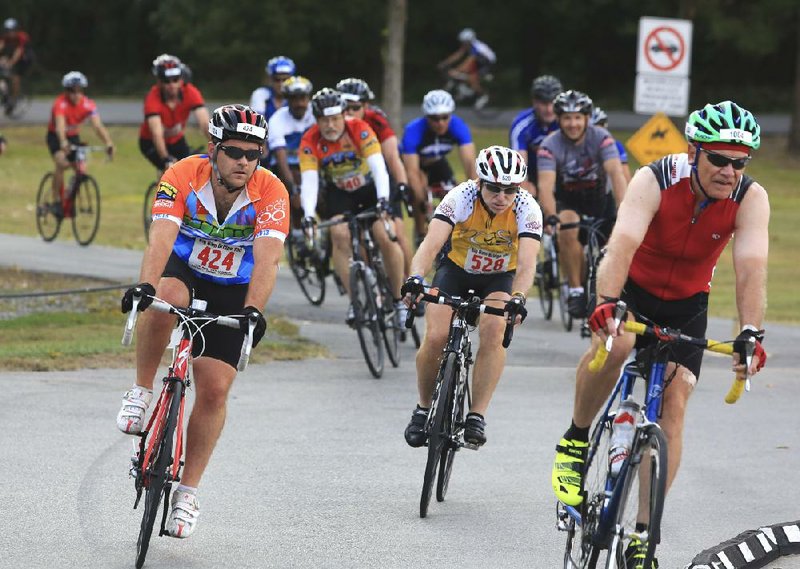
{"type": "Point", "coordinates": [657, 138]}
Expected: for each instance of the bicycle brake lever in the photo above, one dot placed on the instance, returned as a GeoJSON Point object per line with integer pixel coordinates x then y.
{"type": "Point", "coordinates": [619, 313]}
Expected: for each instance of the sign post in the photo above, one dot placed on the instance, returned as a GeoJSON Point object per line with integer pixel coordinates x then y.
{"type": "Point", "coordinates": [662, 66]}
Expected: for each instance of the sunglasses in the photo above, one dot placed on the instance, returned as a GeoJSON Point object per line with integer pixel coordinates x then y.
{"type": "Point", "coordinates": [438, 118]}
{"type": "Point", "coordinates": [495, 189]}
{"type": "Point", "coordinates": [170, 79]}
{"type": "Point", "coordinates": [721, 161]}
{"type": "Point", "coordinates": [236, 153]}
{"type": "Point", "coordinates": [353, 107]}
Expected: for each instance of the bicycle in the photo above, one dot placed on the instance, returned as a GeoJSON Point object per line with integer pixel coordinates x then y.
{"type": "Point", "coordinates": [79, 200]}
{"type": "Point", "coordinates": [154, 465]}
{"type": "Point", "coordinates": [309, 261]}
{"type": "Point", "coordinates": [376, 320]}
{"type": "Point", "coordinates": [547, 279]}
{"type": "Point", "coordinates": [444, 426]}
{"type": "Point", "coordinates": [14, 109]}
{"type": "Point", "coordinates": [464, 95]}
{"type": "Point", "coordinates": [150, 197]}
{"type": "Point", "coordinates": [608, 512]}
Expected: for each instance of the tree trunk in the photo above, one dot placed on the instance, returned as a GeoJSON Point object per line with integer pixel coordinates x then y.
{"type": "Point", "coordinates": [794, 127]}
{"type": "Point", "coordinates": [393, 63]}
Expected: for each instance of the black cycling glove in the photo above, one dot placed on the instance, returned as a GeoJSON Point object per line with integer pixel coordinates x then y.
{"type": "Point", "coordinates": [261, 323]}
{"type": "Point", "coordinates": [147, 292]}
{"type": "Point", "coordinates": [516, 307]}
{"type": "Point", "coordinates": [414, 286]}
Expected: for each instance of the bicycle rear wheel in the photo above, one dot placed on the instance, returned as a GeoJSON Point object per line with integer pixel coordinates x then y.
{"type": "Point", "coordinates": [544, 280]}
{"type": "Point", "coordinates": [158, 478]}
{"type": "Point", "coordinates": [563, 295]}
{"type": "Point", "coordinates": [362, 295]}
{"type": "Point", "coordinates": [147, 212]}
{"type": "Point", "coordinates": [455, 415]}
{"type": "Point", "coordinates": [86, 210]}
{"type": "Point", "coordinates": [439, 427]}
{"type": "Point", "coordinates": [644, 489]}
{"type": "Point", "coordinates": [48, 212]}
{"type": "Point", "coordinates": [307, 269]}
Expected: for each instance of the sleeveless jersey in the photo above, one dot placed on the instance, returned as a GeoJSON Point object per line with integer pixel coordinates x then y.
{"type": "Point", "coordinates": [482, 243]}
{"type": "Point", "coordinates": [285, 131]}
{"type": "Point", "coordinates": [220, 251]}
{"type": "Point", "coordinates": [74, 115]}
{"type": "Point", "coordinates": [679, 252]}
{"type": "Point", "coordinates": [378, 121]}
{"type": "Point", "coordinates": [418, 138]}
{"type": "Point", "coordinates": [173, 120]}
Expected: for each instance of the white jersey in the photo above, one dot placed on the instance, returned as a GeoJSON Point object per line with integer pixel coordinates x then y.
{"type": "Point", "coordinates": [480, 49]}
{"type": "Point", "coordinates": [285, 131]}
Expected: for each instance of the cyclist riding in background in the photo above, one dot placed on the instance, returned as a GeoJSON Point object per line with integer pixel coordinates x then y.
{"type": "Point", "coordinates": [358, 99]}
{"type": "Point", "coordinates": [286, 127]}
{"type": "Point", "coordinates": [268, 98]}
{"type": "Point", "coordinates": [69, 110]}
{"type": "Point", "coordinates": [16, 56]}
{"type": "Point", "coordinates": [600, 118]}
{"type": "Point", "coordinates": [573, 164]}
{"type": "Point", "coordinates": [427, 141]}
{"type": "Point", "coordinates": [492, 229]}
{"type": "Point", "coordinates": [677, 217]}
{"type": "Point", "coordinates": [531, 125]}
{"type": "Point", "coordinates": [343, 159]}
{"type": "Point", "coordinates": [219, 223]}
{"type": "Point", "coordinates": [472, 61]}
{"type": "Point", "coordinates": [2, 144]}
{"type": "Point", "coordinates": [167, 107]}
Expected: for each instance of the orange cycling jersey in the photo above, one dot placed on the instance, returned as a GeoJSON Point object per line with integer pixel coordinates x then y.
{"type": "Point", "coordinates": [342, 163]}
{"type": "Point", "coordinates": [220, 250]}
{"type": "Point", "coordinates": [74, 115]}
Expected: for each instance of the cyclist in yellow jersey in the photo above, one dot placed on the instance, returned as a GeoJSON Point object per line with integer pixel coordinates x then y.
{"type": "Point", "coordinates": [490, 230]}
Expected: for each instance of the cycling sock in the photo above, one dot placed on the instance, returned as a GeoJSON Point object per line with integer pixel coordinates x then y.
{"type": "Point", "coordinates": [576, 290]}
{"type": "Point", "coordinates": [188, 489]}
{"type": "Point", "coordinates": [640, 527]}
{"type": "Point", "coordinates": [476, 415]}
{"type": "Point", "coordinates": [421, 408]}
{"type": "Point", "coordinates": [577, 433]}
{"type": "Point", "coordinates": [135, 386]}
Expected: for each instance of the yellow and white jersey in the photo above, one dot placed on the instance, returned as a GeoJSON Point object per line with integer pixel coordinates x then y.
{"type": "Point", "coordinates": [483, 243]}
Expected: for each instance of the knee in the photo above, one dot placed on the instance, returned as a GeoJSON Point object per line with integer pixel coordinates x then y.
{"type": "Point", "coordinates": [213, 394]}
{"type": "Point", "coordinates": [173, 291]}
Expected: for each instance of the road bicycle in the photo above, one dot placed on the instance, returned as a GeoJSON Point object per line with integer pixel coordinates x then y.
{"type": "Point", "coordinates": [309, 259]}
{"type": "Point", "coordinates": [157, 460]}
{"type": "Point", "coordinates": [607, 516]}
{"type": "Point", "coordinates": [375, 319]}
{"type": "Point", "coordinates": [14, 108]}
{"type": "Point", "coordinates": [78, 200]}
{"type": "Point", "coordinates": [150, 197]}
{"type": "Point", "coordinates": [444, 427]}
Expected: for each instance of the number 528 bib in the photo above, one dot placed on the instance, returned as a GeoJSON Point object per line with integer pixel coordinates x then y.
{"type": "Point", "coordinates": [485, 262]}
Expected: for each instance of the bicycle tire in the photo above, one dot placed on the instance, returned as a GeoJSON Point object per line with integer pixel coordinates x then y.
{"type": "Point", "coordinates": [390, 323]}
{"type": "Point", "coordinates": [366, 320]}
{"type": "Point", "coordinates": [159, 482]}
{"type": "Point", "coordinates": [650, 441]}
{"type": "Point", "coordinates": [86, 210]}
{"type": "Point", "coordinates": [455, 408]}
{"type": "Point", "coordinates": [48, 223]}
{"type": "Point", "coordinates": [415, 335]}
{"type": "Point", "coordinates": [22, 104]}
{"type": "Point", "coordinates": [594, 254]}
{"type": "Point", "coordinates": [437, 436]}
{"type": "Point", "coordinates": [147, 212]}
{"type": "Point", "coordinates": [308, 271]}
{"type": "Point", "coordinates": [563, 295]}
{"type": "Point", "coordinates": [545, 283]}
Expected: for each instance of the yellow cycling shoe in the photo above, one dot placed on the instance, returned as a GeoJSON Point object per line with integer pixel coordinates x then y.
{"type": "Point", "coordinates": [568, 471]}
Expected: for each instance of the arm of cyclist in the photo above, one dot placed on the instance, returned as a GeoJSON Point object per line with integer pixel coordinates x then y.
{"type": "Point", "coordinates": [61, 132]}
{"type": "Point", "coordinates": [284, 171]}
{"type": "Point", "coordinates": [613, 168]}
{"type": "Point", "coordinates": [157, 131]}
{"type": "Point", "coordinates": [467, 154]}
{"type": "Point", "coordinates": [546, 185]}
{"type": "Point", "coordinates": [750, 250]}
{"type": "Point", "coordinates": [377, 166]}
{"type": "Point", "coordinates": [452, 58]}
{"type": "Point", "coordinates": [267, 252]}
{"type": "Point", "coordinates": [162, 236]}
{"type": "Point", "coordinates": [309, 190]}
{"type": "Point", "coordinates": [523, 278]}
{"type": "Point", "coordinates": [102, 132]}
{"type": "Point", "coordinates": [633, 219]}
{"type": "Point", "coordinates": [201, 115]}
{"type": "Point", "coordinates": [391, 153]}
{"type": "Point", "coordinates": [416, 178]}
{"type": "Point", "coordinates": [438, 233]}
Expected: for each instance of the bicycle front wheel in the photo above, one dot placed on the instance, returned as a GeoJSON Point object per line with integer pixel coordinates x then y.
{"type": "Point", "coordinates": [642, 496]}
{"type": "Point", "coordinates": [48, 212]}
{"type": "Point", "coordinates": [362, 295]}
{"type": "Point", "coordinates": [563, 295]}
{"type": "Point", "coordinates": [147, 213]}
{"type": "Point", "coordinates": [544, 281]}
{"type": "Point", "coordinates": [307, 268]}
{"type": "Point", "coordinates": [390, 325]}
{"type": "Point", "coordinates": [157, 477]}
{"type": "Point", "coordinates": [455, 416]}
{"type": "Point", "coordinates": [86, 211]}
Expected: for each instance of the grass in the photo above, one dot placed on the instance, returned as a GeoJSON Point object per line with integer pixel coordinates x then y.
{"type": "Point", "coordinates": [124, 181]}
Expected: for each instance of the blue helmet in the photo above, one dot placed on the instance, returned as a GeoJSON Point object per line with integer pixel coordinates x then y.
{"type": "Point", "coordinates": [280, 64]}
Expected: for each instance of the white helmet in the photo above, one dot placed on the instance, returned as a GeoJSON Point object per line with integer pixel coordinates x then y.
{"type": "Point", "coordinates": [467, 34]}
{"type": "Point", "coordinates": [438, 102]}
{"type": "Point", "coordinates": [501, 165]}
{"type": "Point", "coordinates": [74, 79]}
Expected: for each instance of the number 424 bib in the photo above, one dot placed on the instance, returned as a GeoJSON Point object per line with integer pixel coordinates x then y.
{"type": "Point", "coordinates": [215, 258]}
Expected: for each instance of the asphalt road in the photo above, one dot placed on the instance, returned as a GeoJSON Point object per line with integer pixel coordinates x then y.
{"type": "Point", "coordinates": [312, 469]}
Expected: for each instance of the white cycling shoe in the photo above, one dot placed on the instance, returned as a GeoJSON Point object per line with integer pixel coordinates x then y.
{"type": "Point", "coordinates": [130, 419]}
{"type": "Point", "coordinates": [182, 519]}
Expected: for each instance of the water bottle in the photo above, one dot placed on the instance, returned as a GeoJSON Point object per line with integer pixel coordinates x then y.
{"type": "Point", "coordinates": [622, 435]}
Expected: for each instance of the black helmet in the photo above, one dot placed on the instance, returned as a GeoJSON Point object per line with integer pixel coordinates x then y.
{"type": "Point", "coordinates": [239, 122]}
{"type": "Point", "coordinates": [545, 88]}
{"type": "Point", "coordinates": [572, 102]}
{"type": "Point", "coordinates": [355, 89]}
{"type": "Point", "coordinates": [327, 102]}
{"type": "Point", "coordinates": [167, 66]}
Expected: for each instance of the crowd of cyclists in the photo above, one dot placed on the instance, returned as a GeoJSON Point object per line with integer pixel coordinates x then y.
{"type": "Point", "coordinates": [300, 153]}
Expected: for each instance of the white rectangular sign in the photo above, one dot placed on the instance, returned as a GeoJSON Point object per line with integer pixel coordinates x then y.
{"type": "Point", "coordinates": [664, 47]}
{"type": "Point", "coordinates": [661, 93]}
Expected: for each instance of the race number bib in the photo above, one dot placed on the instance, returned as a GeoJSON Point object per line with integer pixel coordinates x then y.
{"type": "Point", "coordinates": [351, 183]}
{"type": "Point", "coordinates": [484, 262]}
{"type": "Point", "coordinates": [215, 258]}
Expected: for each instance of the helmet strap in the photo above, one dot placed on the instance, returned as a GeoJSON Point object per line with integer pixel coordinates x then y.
{"type": "Point", "coordinates": [231, 189]}
{"type": "Point", "coordinates": [697, 175]}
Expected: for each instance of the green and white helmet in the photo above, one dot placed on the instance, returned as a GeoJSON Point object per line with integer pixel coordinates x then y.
{"type": "Point", "coordinates": [724, 122]}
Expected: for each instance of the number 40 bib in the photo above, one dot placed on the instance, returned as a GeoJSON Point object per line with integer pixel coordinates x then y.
{"type": "Point", "coordinates": [215, 258]}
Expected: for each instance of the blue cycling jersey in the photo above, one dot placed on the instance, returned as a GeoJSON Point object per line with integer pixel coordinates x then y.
{"type": "Point", "coordinates": [527, 133]}
{"type": "Point", "coordinates": [623, 155]}
{"type": "Point", "coordinates": [418, 138]}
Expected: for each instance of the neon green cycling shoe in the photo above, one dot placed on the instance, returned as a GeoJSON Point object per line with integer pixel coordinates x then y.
{"type": "Point", "coordinates": [635, 554]}
{"type": "Point", "coordinates": [568, 470]}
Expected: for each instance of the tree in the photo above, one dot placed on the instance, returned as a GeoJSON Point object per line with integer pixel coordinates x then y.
{"type": "Point", "coordinates": [393, 60]}
{"type": "Point", "coordinates": [794, 127]}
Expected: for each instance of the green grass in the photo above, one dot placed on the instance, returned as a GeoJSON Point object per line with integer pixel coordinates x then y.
{"type": "Point", "coordinates": [123, 182]}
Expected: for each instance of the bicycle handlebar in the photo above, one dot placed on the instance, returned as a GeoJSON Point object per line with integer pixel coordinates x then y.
{"type": "Point", "coordinates": [193, 313]}
{"type": "Point", "coordinates": [456, 302]}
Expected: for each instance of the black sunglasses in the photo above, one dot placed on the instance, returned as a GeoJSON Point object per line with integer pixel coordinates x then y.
{"type": "Point", "coordinates": [495, 189]}
{"type": "Point", "coordinates": [438, 118]}
{"type": "Point", "coordinates": [353, 107]}
{"type": "Point", "coordinates": [236, 153]}
{"type": "Point", "coordinates": [171, 80]}
{"type": "Point", "coordinates": [721, 161]}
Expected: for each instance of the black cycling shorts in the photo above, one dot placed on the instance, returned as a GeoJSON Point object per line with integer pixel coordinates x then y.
{"type": "Point", "coordinates": [438, 172]}
{"type": "Point", "coordinates": [339, 201]}
{"type": "Point", "coordinates": [689, 315]}
{"type": "Point", "coordinates": [179, 150]}
{"type": "Point", "coordinates": [608, 213]}
{"type": "Point", "coordinates": [455, 281]}
{"type": "Point", "coordinates": [592, 201]}
{"type": "Point", "coordinates": [221, 343]}
{"type": "Point", "coordinates": [54, 146]}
